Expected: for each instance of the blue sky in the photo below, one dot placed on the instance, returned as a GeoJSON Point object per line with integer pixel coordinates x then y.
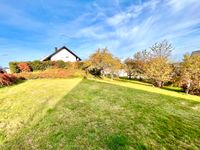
{"type": "Point", "coordinates": [30, 30]}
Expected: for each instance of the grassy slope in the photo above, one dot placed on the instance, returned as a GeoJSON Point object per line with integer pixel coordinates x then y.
{"type": "Point", "coordinates": [27, 102]}
{"type": "Point", "coordinates": [98, 115]}
{"type": "Point", "coordinates": [146, 87]}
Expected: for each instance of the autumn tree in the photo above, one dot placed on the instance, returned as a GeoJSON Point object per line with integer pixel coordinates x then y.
{"type": "Point", "coordinates": [159, 70]}
{"type": "Point", "coordinates": [129, 67]}
{"type": "Point", "coordinates": [176, 74]}
{"type": "Point", "coordinates": [115, 65]}
{"type": "Point", "coordinates": [157, 66]}
{"type": "Point", "coordinates": [190, 74]}
{"type": "Point", "coordinates": [104, 62]}
{"type": "Point", "coordinates": [135, 66]}
{"type": "Point", "coordinates": [161, 50]}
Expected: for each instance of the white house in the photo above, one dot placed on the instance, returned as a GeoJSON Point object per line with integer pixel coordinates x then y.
{"type": "Point", "coordinates": [64, 54]}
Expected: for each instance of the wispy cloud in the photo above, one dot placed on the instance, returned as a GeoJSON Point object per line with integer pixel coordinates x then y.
{"type": "Point", "coordinates": [178, 5]}
{"type": "Point", "coordinates": [132, 12]}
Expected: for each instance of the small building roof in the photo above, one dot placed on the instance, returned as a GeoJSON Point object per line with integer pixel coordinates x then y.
{"type": "Point", "coordinates": [58, 50]}
{"type": "Point", "coordinates": [194, 53]}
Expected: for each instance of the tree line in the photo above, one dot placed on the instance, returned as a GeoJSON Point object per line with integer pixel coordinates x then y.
{"type": "Point", "coordinates": [152, 65]}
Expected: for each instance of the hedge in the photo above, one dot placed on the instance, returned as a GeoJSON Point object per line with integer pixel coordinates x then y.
{"type": "Point", "coordinates": [13, 67]}
{"type": "Point", "coordinates": [44, 65]}
{"type": "Point", "coordinates": [38, 65]}
{"type": "Point", "coordinates": [51, 73]}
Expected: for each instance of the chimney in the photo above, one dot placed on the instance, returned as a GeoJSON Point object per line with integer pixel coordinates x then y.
{"type": "Point", "coordinates": [56, 49]}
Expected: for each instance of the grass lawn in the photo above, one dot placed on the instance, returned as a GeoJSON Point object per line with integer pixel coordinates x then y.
{"type": "Point", "coordinates": [97, 114]}
{"type": "Point", "coordinates": [27, 102]}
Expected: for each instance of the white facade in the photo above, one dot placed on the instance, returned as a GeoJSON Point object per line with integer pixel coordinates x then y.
{"type": "Point", "coordinates": [7, 70]}
{"type": "Point", "coordinates": [122, 73]}
{"type": "Point", "coordinates": [64, 55]}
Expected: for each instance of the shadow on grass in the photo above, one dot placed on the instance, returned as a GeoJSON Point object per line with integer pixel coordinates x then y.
{"type": "Point", "coordinates": [134, 81]}
{"type": "Point", "coordinates": [77, 123]}
{"type": "Point", "coordinates": [175, 89]}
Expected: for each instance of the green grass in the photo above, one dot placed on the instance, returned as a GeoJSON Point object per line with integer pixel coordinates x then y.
{"type": "Point", "coordinates": [27, 102]}
{"type": "Point", "coordinates": [97, 114]}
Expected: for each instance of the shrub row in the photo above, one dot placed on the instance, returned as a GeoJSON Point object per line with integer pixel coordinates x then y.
{"type": "Point", "coordinates": [16, 67]}
{"type": "Point", "coordinates": [7, 79]}
{"type": "Point", "coordinates": [51, 73]}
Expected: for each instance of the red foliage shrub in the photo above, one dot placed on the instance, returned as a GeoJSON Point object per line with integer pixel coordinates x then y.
{"type": "Point", "coordinates": [7, 79]}
{"type": "Point", "coordinates": [24, 67]}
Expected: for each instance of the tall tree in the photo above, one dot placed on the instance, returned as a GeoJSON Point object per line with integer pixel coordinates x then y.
{"type": "Point", "coordinates": [157, 66]}
{"type": "Point", "coordinates": [135, 66]}
{"type": "Point", "coordinates": [104, 61]}
{"type": "Point", "coordinates": [129, 67]}
{"type": "Point", "coordinates": [190, 74]}
{"type": "Point", "coordinates": [159, 70]}
{"type": "Point", "coordinates": [162, 49]}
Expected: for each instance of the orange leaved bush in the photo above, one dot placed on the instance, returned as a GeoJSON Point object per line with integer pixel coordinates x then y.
{"type": "Point", "coordinates": [24, 67]}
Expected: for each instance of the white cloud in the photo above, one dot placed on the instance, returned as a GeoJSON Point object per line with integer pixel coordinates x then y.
{"type": "Point", "coordinates": [90, 32]}
{"type": "Point", "coordinates": [131, 13]}
{"type": "Point", "coordinates": [178, 5]}
{"type": "Point", "coordinates": [119, 18]}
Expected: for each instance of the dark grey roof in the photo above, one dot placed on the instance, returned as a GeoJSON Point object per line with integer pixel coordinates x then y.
{"type": "Point", "coordinates": [48, 57]}
{"type": "Point", "coordinates": [194, 53]}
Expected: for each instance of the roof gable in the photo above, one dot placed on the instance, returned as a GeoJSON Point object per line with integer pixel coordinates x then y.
{"type": "Point", "coordinates": [57, 51]}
